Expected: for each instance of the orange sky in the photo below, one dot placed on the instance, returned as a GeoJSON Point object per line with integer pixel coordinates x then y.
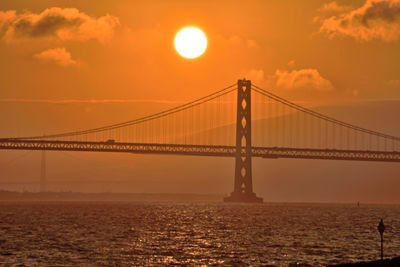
{"type": "Point", "coordinates": [56, 56]}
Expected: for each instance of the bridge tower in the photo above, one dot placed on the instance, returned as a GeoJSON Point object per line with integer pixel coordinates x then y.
{"type": "Point", "coordinates": [243, 187]}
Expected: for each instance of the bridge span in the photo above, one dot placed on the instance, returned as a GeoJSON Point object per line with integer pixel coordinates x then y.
{"type": "Point", "coordinates": [199, 150]}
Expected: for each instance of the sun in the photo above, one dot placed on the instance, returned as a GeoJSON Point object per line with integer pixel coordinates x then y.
{"type": "Point", "coordinates": [190, 42]}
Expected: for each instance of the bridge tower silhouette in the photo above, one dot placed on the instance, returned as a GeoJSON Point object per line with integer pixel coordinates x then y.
{"type": "Point", "coordinates": [243, 184]}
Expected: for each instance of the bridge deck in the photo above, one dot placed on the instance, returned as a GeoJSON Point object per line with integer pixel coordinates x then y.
{"type": "Point", "coordinates": [199, 150]}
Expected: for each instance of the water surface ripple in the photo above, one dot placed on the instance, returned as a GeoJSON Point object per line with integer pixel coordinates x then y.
{"type": "Point", "coordinates": [132, 233]}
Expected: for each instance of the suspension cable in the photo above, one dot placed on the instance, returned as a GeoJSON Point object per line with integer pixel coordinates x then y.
{"type": "Point", "coordinates": [319, 115]}
{"type": "Point", "coordinates": [161, 114]}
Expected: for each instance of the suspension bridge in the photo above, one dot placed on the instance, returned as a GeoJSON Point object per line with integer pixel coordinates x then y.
{"type": "Point", "coordinates": [240, 121]}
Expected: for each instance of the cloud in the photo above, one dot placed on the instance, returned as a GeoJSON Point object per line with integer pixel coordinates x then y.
{"type": "Point", "coordinates": [291, 63]}
{"type": "Point", "coordinates": [60, 56]}
{"type": "Point", "coordinates": [333, 7]}
{"type": "Point", "coordinates": [290, 80]}
{"type": "Point", "coordinates": [376, 19]}
{"type": "Point", "coordinates": [238, 41]}
{"type": "Point", "coordinates": [62, 24]}
{"type": "Point", "coordinates": [309, 79]}
{"type": "Point", "coordinates": [251, 43]}
{"type": "Point", "coordinates": [256, 75]}
{"type": "Point", "coordinates": [394, 83]}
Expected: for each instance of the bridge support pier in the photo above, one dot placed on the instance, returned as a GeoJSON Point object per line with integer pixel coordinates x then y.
{"type": "Point", "coordinates": [243, 188]}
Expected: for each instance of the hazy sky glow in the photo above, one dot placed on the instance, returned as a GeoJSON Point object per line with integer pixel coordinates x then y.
{"type": "Point", "coordinates": [78, 64]}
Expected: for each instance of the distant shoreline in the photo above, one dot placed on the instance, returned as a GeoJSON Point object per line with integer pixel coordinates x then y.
{"type": "Point", "coordinates": [13, 196]}
{"type": "Point", "coordinates": [78, 196]}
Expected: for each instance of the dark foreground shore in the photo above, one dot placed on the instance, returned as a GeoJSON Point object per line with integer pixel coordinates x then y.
{"type": "Point", "coordinates": [388, 262]}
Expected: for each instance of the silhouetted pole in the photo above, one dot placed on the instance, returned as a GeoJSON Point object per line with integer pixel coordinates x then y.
{"type": "Point", "coordinates": [43, 173]}
{"type": "Point", "coordinates": [381, 229]}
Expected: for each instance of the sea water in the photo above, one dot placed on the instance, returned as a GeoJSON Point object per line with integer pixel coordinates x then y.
{"type": "Point", "coordinates": [135, 233]}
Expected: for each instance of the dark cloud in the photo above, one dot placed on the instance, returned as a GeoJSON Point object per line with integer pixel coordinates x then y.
{"type": "Point", "coordinates": [59, 23]}
{"type": "Point", "coordinates": [47, 25]}
{"type": "Point", "coordinates": [388, 11]}
{"type": "Point", "coordinates": [376, 19]}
